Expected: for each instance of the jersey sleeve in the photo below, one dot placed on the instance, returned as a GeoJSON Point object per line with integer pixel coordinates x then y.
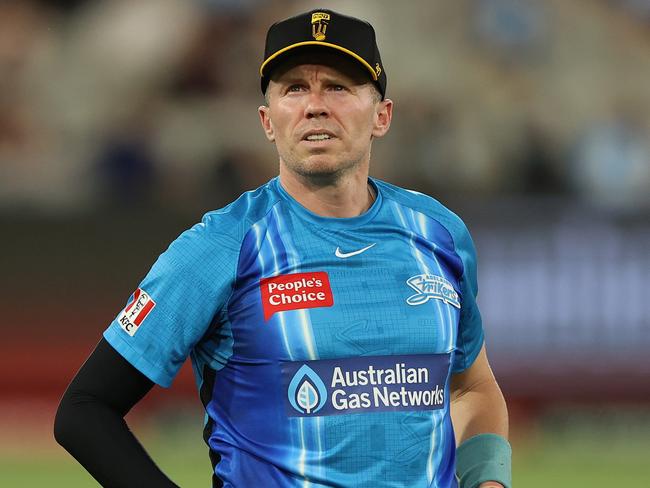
{"type": "Point", "coordinates": [470, 327]}
{"type": "Point", "coordinates": [177, 302]}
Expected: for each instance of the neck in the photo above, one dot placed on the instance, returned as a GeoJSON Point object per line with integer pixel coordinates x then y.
{"type": "Point", "coordinates": [344, 197]}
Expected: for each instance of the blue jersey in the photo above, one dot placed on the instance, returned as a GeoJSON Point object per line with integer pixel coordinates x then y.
{"type": "Point", "coordinates": [322, 347]}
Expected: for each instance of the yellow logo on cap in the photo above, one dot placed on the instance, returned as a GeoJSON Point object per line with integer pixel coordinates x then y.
{"type": "Point", "coordinates": [319, 25]}
{"type": "Point", "coordinates": [377, 69]}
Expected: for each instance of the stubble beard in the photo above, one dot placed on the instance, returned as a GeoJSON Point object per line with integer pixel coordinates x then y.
{"type": "Point", "coordinates": [320, 173]}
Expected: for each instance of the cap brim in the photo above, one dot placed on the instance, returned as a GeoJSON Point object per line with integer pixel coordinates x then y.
{"type": "Point", "coordinates": [279, 54]}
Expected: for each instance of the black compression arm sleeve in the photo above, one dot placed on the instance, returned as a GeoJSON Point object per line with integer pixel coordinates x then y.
{"type": "Point", "coordinates": [90, 422]}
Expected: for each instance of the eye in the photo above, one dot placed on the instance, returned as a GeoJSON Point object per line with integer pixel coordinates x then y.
{"type": "Point", "coordinates": [294, 88]}
{"type": "Point", "coordinates": [337, 88]}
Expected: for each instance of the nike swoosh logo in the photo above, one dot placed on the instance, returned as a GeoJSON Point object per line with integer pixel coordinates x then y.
{"type": "Point", "coordinates": [343, 255]}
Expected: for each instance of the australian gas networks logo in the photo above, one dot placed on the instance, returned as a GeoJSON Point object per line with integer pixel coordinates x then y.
{"type": "Point", "coordinates": [307, 392]}
{"type": "Point", "coordinates": [430, 287]}
{"type": "Point", "coordinates": [366, 384]}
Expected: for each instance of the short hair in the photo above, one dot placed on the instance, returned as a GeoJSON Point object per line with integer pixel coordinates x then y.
{"type": "Point", "coordinates": [376, 94]}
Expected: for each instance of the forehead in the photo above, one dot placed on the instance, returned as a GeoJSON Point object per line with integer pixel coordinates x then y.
{"type": "Point", "coordinates": [329, 64]}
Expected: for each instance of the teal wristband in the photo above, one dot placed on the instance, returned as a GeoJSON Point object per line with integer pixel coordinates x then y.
{"type": "Point", "coordinates": [484, 457]}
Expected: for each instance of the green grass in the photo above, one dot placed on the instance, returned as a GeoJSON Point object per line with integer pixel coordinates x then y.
{"type": "Point", "coordinates": [586, 448]}
{"type": "Point", "coordinates": [176, 445]}
{"type": "Point", "coordinates": [564, 452]}
{"type": "Point", "coordinates": [580, 463]}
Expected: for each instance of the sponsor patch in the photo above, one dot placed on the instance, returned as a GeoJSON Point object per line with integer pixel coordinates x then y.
{"type": "Point", "coordinates": [365, 384]}
{"type": "Point", "coordinates": [432, 287]}
{"type": "Point", "coordinates": [140, 305]}
{"type": "Point", "coordinates": [295, 291]}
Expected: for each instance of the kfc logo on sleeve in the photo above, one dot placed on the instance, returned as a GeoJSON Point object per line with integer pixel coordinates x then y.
{"type": "Point", "coordinates": [295, 292]}
{"type": "Point", "coordinates": [136, 311]}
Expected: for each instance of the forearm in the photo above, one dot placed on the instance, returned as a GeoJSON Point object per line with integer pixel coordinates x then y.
{"type": "Point", "coordinates": [90, 422]}
{"type": "Point", "coordinates": [478, 410]}
{"type": "Point", "coordinates": [480, 419]}
{"type": "Point", "coordinates": [100, 440]}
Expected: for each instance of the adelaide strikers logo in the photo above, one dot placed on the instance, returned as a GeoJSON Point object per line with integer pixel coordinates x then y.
{"type": "Point", "coordinates": [432, 287]}
{"type": "Point", "coordinates": [307, 392]}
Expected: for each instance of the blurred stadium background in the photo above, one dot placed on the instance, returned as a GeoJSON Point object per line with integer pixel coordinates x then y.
{"type": "Point", "coordinates": [122, 122]}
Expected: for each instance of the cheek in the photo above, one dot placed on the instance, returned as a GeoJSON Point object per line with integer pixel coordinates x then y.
{"type": "Point", "coordinates": [363, 126]}
{"type": "Point", "coordinates": [283, 125]}
{"type": "Point", "coordinates": [360, 117]}
{"type": "Point", "coordinates": [283, 132]}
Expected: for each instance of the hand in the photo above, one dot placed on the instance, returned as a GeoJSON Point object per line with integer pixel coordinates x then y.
{"type": "Point", "coordinates": [490, 484]}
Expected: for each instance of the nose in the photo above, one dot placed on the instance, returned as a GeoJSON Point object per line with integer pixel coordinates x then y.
{"type": "Point", "coordinates": [316, 106]}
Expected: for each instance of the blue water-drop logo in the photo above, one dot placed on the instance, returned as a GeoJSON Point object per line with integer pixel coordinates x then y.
{"type": "Point", "coordinates": [307, 392]}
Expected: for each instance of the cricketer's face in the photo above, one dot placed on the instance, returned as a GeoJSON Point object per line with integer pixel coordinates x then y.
{"type": "Point", "coordinates": [322, 117]}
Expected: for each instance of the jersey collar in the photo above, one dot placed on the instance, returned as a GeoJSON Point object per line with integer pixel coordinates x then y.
{"type": "Point", "coordinates": [331, 222]}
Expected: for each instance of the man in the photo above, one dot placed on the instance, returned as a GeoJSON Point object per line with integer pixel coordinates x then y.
{"type": "Point", "coordinates": [330, 317]}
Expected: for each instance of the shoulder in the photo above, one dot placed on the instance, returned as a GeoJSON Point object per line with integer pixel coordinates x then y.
{"type": "Point", "coordinates": [220, 233]}
{"type": "Point", "coordinates": [235, 219]}
{"type": "Point", "coordinates": [428, 206]}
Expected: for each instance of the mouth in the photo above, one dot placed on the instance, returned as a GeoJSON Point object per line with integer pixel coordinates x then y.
{"type": "Point", "coordinates": [318, 136]}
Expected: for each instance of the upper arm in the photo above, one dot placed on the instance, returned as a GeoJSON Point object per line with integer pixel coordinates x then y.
{"type": "Point", "coordinates": [478, 374]}
{"type": "Point", "coordinates": [183, 293]}
{"type": "Point", "coordinates": [470, 337]}
{"type": "Point", "coordinates": [105, 382]}
{"type": "Point", "coordinates": [477, 404]}
{"type": "Point", "coordinates": [107, 378]}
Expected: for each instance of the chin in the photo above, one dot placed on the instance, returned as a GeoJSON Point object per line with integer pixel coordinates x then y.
{"type": "Point", "coordinates": [319, 166]}
{"type": "Point", "coordinates": [321, 169]}
{"type": "Point", "coordinates": [314, 165]}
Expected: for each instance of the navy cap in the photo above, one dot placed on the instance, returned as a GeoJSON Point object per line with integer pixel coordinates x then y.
{"type": "Point", "coordinates": [323, 29]}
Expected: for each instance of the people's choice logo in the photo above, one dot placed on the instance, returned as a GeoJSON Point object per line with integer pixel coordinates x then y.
{"type": "Point", "coordinates": [365, 384]}
{"type": "Point", "coordinates": [295, 291]}
{"type": "Point", "coordinates": [429, 287]}
{"type": "Point", "coordinates": [307, 392]}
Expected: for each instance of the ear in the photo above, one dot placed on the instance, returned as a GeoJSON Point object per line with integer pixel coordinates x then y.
{"type": "Point", "coordinates": [383, 116]}
{"type": "Point", "coordinates": [267, 125]}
